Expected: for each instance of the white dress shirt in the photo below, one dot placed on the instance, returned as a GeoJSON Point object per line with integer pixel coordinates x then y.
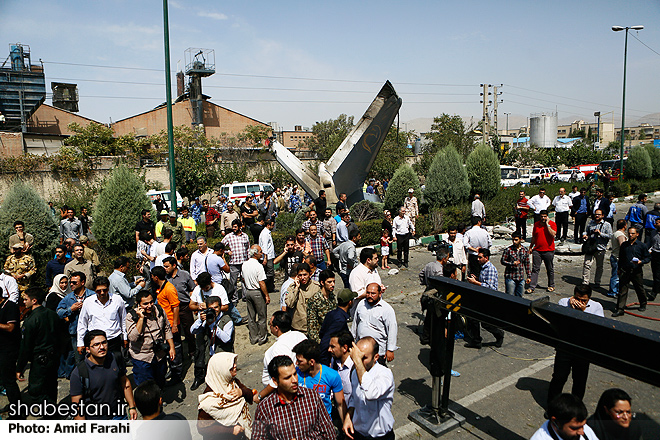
{"type": "Point", "coordinates": [562, 203]}
{"type": "Point", "coordinates": [344, 371]}
{"type": "Point", "coordinates": [198, 296]}
{"type": "Point", "coordinates": [282, 347]}
{"type": "Point", "coordinates": [361, 277]}
{"type": "Point", "coordinates": [372, 401]}
{"type": "Point", "coordinates": [197, 263]}
{"type": "Point", "coordinates": [538, 204]}
{"type": "Point", "coordinates": [402, 226]}
{"type": "Point", "coordinates": [377, 321]}
{"type": "Point", "coordinates": [266, 243]}
{"type": "Point", "coordinates": [109, 317]}
{"type": "Point", "coordinates": [9, 287]}
{"type": "Point", "coordinates": [476, 237]}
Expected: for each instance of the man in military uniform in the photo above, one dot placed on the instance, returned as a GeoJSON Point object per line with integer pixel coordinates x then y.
{"type": "Point", "coordinates": [38, 346]}
{"type": "Point", "coordinates": [411, 206]}
{"type": "Point", "coordinates": [178, 233]}
{"type": "Point", "coordinates": [21, 266]}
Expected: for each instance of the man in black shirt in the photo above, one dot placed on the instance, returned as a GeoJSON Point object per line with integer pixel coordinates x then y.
{"type": "Point", "coordinates": [145, 225]}
{"type": "Point", "coordinates": [100, 381]}
{"type": "Point", "coordinates": [160, 204]}
{"type": "Point", "coordinates": [150, 404]}
{"type": "Point", "coordinates": [55, 266]}
{"type": "Point", "coordinates": [39, 347]}
{"type": "Point", "coordinates": [341, 204]}
{"type": "Point", "coordinates": [289, 257]}
{"type": "Point", "coordinates": [632, 256]}
{"type": "Point", "coordinates": [10, 340]}
{"type": "Point", "coordinates": [319, 204]}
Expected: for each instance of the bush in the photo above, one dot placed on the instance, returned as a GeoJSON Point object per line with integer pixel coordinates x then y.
{"type": "Point", "coordinates": [447, 180]}
{"type": "Point", "coordinates": [285, 222]}
{"type": "Point", "coordinates": [654, 155]}
{"type": "Point", "coordinates": [23, 203]}
{"type": "Point", "coordinates": [404, 178]}
{"type": "Point", "coordinates": [365, 210]}
{"type": "Point", "coordinates": [639, 164]}
{"type": "Point", "coordinates": [620, 189]}
{"type": "Point", "coordinates": [118, 208]}
{"type": "Point", "coordinates": [78, 196]}
{"type": "Point", "coordinates": [483, 170]}
{"type": "Point", "coordinates": [370, 231]}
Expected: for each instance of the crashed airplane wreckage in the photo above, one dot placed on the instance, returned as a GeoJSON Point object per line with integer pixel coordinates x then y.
{"type": "Point", "coordinates": [349, 166]}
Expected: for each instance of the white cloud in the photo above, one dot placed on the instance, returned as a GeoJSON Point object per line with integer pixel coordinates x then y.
{"type": "Point", "coordinates": [175, 4]}
{"type": "Point", "coordinates": [213, 15]}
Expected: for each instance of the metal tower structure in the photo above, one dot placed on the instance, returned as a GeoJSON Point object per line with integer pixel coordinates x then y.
{"type": "Point", "coordinates": [200, 63]}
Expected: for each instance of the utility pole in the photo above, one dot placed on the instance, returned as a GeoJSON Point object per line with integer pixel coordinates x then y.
{"type": "Point", "coordinates": [495, 102]}
{"type": "Point", "coordinates": [485, 119]}
{"type": "Point", "coordinates": [168, 93]}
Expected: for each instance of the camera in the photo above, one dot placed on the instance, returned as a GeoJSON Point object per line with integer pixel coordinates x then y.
{"type": "Point", "coordinates": [160, 345]}
{"type": "Point", "coordinates": [210, 315]}
{"type": "Point", "coordinates": [437, 244]}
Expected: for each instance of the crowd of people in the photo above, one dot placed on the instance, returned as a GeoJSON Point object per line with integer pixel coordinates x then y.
{"type": "Point", "coordinates": [327, 370]}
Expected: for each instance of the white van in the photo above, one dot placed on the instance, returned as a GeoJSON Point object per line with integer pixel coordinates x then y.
{"type": "Point", "coordinates": [511, 176]}
{"type": "Point", "coordinates": [165, 195]}
{"type": "Point", "coordinates": [240, 190]}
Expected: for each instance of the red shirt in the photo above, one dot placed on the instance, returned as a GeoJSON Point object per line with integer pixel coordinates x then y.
{"type": "Point", "coordinates": [543, 241]}
{"type": "Point", "coordinates": [211, 215]}
{"type": "Point", "coordinates": [522, 213]}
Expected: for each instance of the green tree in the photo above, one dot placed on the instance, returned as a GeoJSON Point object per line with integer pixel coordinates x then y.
{"type": "Point", "coordinates": [23, 203]}
{"type": "Point", "coordinates": [483, 170]}
{"type": "Point", "coordinates": [447, 180]}
{"type": "Point", "coordinates": [445, 130]}
{"type": "Point", "coordinates": [404, 178]}
{"type": "Point", "coordinates": [392, 154]}
{"type": "Point", "coordinates": [118, 208]}
{"type": "Point", "coordinates": [328, 135]}
{"type": "Point", "coordinates": [654, 154]}
{"type": "Point", "coordinates": [639, 164]}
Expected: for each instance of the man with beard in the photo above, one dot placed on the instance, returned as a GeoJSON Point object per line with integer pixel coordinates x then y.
{"type": "Point", "coordinates": [374, 317]}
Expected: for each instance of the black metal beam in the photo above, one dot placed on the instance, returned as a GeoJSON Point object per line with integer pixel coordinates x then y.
{"type": "Point", "coordinates": [617, 346]}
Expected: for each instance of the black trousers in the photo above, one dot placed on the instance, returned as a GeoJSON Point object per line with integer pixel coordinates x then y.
{"type": "Point", "coordinates": [637, 280]}
{"type": "Point", "coordinates": [580, 223]}
{"type": "Point", "coordinates": [564, 363]}
{"type": "Point", "coordinates": [187, 320]}
{"type": "Point", "coordinates": [473, 331]}
{"type": "Point", "coordinates": [388, 436]}
{"type": "Point", "coordinates": [202, 355]}
{"type": "Point", "coordinates": [561, 218]}
{"type": "Point", "coordinates": [402, 247]}
{"type": "Point", "coordinates": [8, 375]}
{"type": "Point", "coordinates": [655, 268]}
{"type": "Point", "coordinates": [521, 227]}
{"type": "Point", "coordinates": [42, 386]}
{"type": "Point", "coordinates": [474, 267]}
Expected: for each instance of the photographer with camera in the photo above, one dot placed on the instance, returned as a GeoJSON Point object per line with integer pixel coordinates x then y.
{"type": "Point", "coordinates": [217, 329]}
{"type": "Point", "coordinates": [150, 339]}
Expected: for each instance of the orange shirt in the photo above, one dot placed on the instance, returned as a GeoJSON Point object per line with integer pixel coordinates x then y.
{"type": "Point", "coordinates": [168, 299]}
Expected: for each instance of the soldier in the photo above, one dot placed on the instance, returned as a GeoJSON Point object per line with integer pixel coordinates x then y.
{"type": "Point", "coordinates": [410, 204]}
{"type": "Point", "coordinates": [21, 266]}
{"type": "Point", "coordinates": [38, 346]}
{"type": "Point", "coordinates": [178, 233]}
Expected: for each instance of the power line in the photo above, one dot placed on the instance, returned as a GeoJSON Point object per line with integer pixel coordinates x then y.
{"type": "Point", "coordinates": [652, 50]}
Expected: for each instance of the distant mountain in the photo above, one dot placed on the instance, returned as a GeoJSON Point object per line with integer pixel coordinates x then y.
{"type": "Point", "coordinates": [651, 118]}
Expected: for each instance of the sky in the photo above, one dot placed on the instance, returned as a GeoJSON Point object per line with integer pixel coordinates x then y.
{"type": "Point", "coordinates": [296, 63]}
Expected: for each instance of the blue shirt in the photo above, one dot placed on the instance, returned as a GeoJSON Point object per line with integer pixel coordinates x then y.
{"type": "Point", "coordinates": [64, 310]}
{"type": "Point", "coordinates": [583, 206]}
{"type": "Point", "coordinates": [488, 276]}
{"type": "Point", "coordinates": [333, 323]}
{"type": "Point", "coordinates": [214, 264]}
{"type": "Point", "coordinates": [326, 382]}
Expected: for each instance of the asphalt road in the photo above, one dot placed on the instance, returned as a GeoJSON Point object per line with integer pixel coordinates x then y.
{"type": "Point", "coordinates": [501, 392]}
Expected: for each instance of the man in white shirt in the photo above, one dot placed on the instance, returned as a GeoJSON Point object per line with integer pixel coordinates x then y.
{"type": "Point", "coordinates": [280, 327]}
{"type": "Point", "coordinates": [402, 229]}
{"type": "Point", "coordinates": [170, 248]}
{"type": "Point", "coordinates": [9, 287]}
{"type": "Point", "coordinates": [539, 203]}
{"type": "Point", "coordinates": [474, 239]}
{"type": "Point", "coordinates": [562, 204]}
{"type": "Point", "coordinates": [376, 318]}
{"type": "Point", "coordinates": [478, 208]}
{"type": "Point", "coordinates": [568, 421]}
{"type": "Point", "coordinates": [103, 312]}
{"type": "Point", "coordinates": [197, 260]}
{"type": "Point", "coordinates": [340, 349]}
{"type": "Point", "coordinates": [365, 273]}
{"type": "Point", "coordinates": [293, 273]}
{"type": "Point", "coordinates": [574, 193]}
{"type": "Point", "coordinates": [256, 295]}
{"type": "Point", "coordinates": [267, 246]}
{"type": "Point", "coordinates": [372, 393]}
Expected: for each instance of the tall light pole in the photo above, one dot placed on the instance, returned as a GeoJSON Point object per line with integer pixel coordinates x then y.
{"type": "Point", "coordinates": [168, 95]}
{"type": "Point", "coordinates": [623, 106]}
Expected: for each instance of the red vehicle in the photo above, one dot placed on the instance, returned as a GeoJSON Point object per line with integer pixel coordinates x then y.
{"type": "Point", "coordinates": [588, 169]}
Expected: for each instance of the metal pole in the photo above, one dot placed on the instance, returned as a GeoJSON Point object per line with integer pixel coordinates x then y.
{"type": "Point", "coordinates": [623, 107]}
{"type": "Point", "coordinates": [168, 91]}
{"type": "Point", "coordinates": [449, 360]}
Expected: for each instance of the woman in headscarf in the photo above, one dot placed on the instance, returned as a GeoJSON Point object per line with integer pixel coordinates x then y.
{"type": "Point", "coordinates": [223, 407]}
{"type": "Point", "coordinates": [57, 292]}
{"type": "Point", "coordinates": [613, 419]}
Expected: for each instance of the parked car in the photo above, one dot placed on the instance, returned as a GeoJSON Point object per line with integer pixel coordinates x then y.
{"type": "Point", "coordinates": [240, 190]}
{"type": "Point", "coordinates": [548, 174]}
{"type": "Point", "coordinates": [571, 175]}
{"type": "Point", "coordinates": [166, 198]}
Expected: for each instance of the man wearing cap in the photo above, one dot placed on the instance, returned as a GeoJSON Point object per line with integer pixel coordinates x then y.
{"type": "Point", "coordinates": [336, 322]}
{"type": "Point", "coordinates": [221, 204]}
{"type": "Point", "coordinates": [21, 266]}
{"type": "Point", "coordinates": [164, 218]}
{"type": "Point", "coordinates": [294, 201]}
{"type": "Point", "coordinates": [176, 227]}
{"type": "Point", "coordinates": [89, 253]}
{"type": "Point", "coordinates": [410, 203]}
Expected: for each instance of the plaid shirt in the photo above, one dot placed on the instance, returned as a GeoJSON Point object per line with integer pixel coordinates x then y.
{"type": "Point", "coordinates": [488, 276]}
{"type": "Point", "coordinates": [319, 226]}
{"type": "Point", "coordinates": [304, 418]}
{"type": "Point", "coordinates": [516, 273]}
{"type": "Point", "coordinates": [318, 247]}
{"type": "Point", "coordinates": [238, 245]}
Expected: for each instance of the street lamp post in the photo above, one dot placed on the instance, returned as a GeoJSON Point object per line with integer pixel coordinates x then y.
{"type": "Point", "coordinates": [623, 106]}
{"type": "Point", "coordinates": [507, 122]}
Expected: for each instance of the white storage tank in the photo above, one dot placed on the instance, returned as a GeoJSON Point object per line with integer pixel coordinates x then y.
{"type": "Point", "coordinates": [543, 130]}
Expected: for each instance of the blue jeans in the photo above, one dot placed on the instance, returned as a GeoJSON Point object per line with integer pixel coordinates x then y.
{"type": "Point", "coordinates": [143, 371]}
{"type": "Point", "coordinates": [234, 313]}
{"type": "Point", "coordinates": [614, 279]}
{"type": "Point", "coordinates": [514, 287]}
